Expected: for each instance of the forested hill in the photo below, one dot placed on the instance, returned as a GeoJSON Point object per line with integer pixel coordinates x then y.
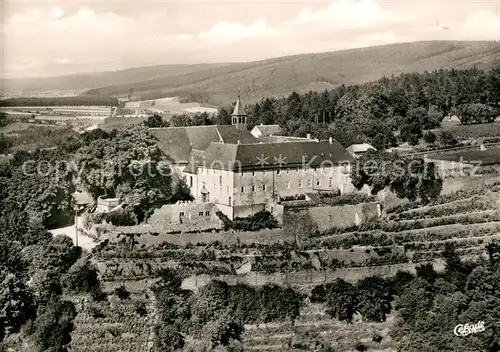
{"type": "Point", "coordinates": [302, 73]}
{"type": "Point", "coordinates": [218, 83]}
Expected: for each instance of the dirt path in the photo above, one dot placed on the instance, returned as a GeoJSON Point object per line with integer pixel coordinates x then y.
{"type": "Point", "coordinates": [83, 240]}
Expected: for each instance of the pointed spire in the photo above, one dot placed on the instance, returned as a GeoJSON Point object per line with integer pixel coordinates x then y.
{"type": "Point", "coordinates": [238, 109]}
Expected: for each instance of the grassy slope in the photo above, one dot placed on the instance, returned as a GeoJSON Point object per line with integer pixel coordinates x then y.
{"type": "Point", "coordinates": [275, 77]}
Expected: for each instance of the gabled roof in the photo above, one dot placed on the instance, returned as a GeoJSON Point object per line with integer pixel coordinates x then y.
{"type": "Point", "coordinates": [180, 142]}
{"type": "Point", "coordinates": [267, 156]}
{"type": "Point", "coordinates": [268, 130]}
{"type": "Point", "coordinates": [238, 109]}
{"type": "Point", "coordinates": [230, 134]}
{"type": "Point", "coordinates": [197, 157]}
{"type": "Point", "coordinates": [173, 141]}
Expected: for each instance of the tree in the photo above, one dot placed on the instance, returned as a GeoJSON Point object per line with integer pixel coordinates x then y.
{"type": "Point", "coordinates": [82, 277]}
{"type": "Point", "coordinates": [434, 117]}
{"type": "Point", "coordinates": [223, 117]}
{"type": "Point", "coordinates": [54, 324]}
{"type": "Point", "coordinates": [475, 113]}
{"type": "Point", "coordinates": [16, 303]}
{"type": "Point", "coordinates": [168, 339]}
{"type": "Point", "coordinates": [430, 137]}
{"type": "Point", "coordinates": [5, 143]}
{"type": "Point", "coordinates": [129, 165]}
{"type": "Point", "coordinates": [155, 120]}
{"type": "Point", "coordinates": [410, 178]}
{"type": "Point", "coordinates": [447, 139]}
{"type": "Point", "coordinates": [374, 299]}
{"type": "Point", "coordinates": [3, 119]}
{"type": "Point", "coordinates": [340, 297]}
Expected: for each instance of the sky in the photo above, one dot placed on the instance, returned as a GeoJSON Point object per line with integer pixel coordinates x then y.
{"type": "Point", "coordinates": [48, 38]}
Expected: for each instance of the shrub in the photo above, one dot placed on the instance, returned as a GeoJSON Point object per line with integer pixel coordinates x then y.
{"type": "Point", "coordinates": [121, 292]}
{"type": "Point", "coordinates": [258, 221]}
{"type": "Point", "coordinates": [82, 277]}
{"type": "Point", "coordinates": [140, 308]}
{"type": "Point", "coordinates": [121, 217]}
{"type": "Point", "coordinates": [345, 199]}
{"type": "Point", "coordinates": [54, 324]}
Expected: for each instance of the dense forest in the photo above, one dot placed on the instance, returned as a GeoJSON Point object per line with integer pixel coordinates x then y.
{"type": "Point", "coordinates": [60, 101]}
{"type": "Point", "coordinates": [372, 112]}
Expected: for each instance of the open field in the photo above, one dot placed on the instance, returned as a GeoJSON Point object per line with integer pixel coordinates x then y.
{"type": "Point", "coordinates": [491, 156]}
{"type": "Point", "coordinates": [484, 130]}
{"type": "Point", "coordinates": [172, 105]}
{"type": "Point", "coordinates": [218, 84]}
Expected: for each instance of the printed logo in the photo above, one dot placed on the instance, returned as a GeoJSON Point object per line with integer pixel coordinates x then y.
{"type": "Point", "coordinates": [468, 329]}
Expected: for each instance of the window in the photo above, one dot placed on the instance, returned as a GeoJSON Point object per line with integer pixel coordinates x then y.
{"type": "Point", "coordinates": [264, 173]}
{"type": "Point", "coordinates": [318, 182]}
{"type": "Point", "coordinates": [229, 201]}
{"type": "Point", "coordinates": [207, 213]}
{"type": "Point", "coordinates": [200, 213]}
{"type": "Point", "coordinates": [330, 181]}
{"type": "Point", "coordinates": [213, 171]}
{"type": "Point", "coordinates": [190, 181]}
{"type": "Point", "coordinates": [309, 183]}
{"type": "Point", "coordinates": [227, 189]}
{"type": "Point", "coordinates": [278, 171]}
{"type": "Point", "coordinates": [288, 184]}
{"type": "Point", "coordinates": [253, 189]}
{"type": "Point", "coordinates": [242, 189]}
{"type": "Point", "coordinates": [242, 174]}
{"type": "Point", "coordinates": [300, 183]}
{"type": "Point", "coordinates": [297, 170]}
{"type": "Point", "coordinates": [263, 187]}
{"type": "Point", "coordinates": [181, 213]}
{"type": "Point", "coordinates": [220, 179]}
{"type": "Point", "coordinates": [287, 170]}
{"type": "Point", "coordinates": [253, 173]}
{"type": "Point", "coordinates": [214, 186]}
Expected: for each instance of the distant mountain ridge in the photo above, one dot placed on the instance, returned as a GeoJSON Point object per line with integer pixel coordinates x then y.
{"type": "Point", "coordinates": [219, 83]}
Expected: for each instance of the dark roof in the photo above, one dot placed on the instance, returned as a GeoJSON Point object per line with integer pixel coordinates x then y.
{"type": "Point", "coordinates": [179, 142]}
{"type": "Point", "coordinates": [197, 157]}
{"type": "Point", "coordinates": [238, 109]}
{"type": "Point", "coordinates": [174, 142]}
{"type": "Point", "coordinates": [268, 130]}
{"type": "Point", "coordinates": [201, 136]}
{"type": "Point", "coordinates": [250, 156]}
{"type": "Point", "coordinates": [230, 134]}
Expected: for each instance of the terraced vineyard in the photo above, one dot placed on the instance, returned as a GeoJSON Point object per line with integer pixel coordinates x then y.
{"type": "Point", "coordinates": [114, 324]}
{"type": "Point", "coordinates": [406, 236]}
{"type": "Point", "coordinates": [314, 328]}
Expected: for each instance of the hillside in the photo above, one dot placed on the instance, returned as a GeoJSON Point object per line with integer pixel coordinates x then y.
{"type": "Point", "coordinates": [316, 71]}
{"type": "Point", "coordinates": [101, 79]}
{"type": "Point", "coordinates": [218, 83]}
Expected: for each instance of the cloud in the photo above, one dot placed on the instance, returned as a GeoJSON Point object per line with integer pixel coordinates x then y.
{"type": "Point", "coordinates": [224, 32]}
{"type": "Point", "coordinates": [57, 12]}
{"type": "Point", "coordinates": [48, 34]}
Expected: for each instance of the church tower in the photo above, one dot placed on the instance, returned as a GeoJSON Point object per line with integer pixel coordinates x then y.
{"type": "Point", "coordinates": [239, 117]}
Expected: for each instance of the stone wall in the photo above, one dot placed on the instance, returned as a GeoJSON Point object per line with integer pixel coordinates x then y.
{"type": "Point", "coordinates": [107, 204]}
{"type": "Point", "coordinates": [306, 278]}
{"type": "Point", "coordinates": [324, 218]}
{"type": "Point", "coordinates": [150, 236]}
{"type": "Point", "coordinates": [186, 216]}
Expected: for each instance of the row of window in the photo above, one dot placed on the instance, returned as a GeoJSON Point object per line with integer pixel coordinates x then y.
{"type": "Point", "coordinates": [264, 172]}
{"type": "Point", "coordinates": [309, 185]}
{"type": "Point", "coordinates": [207, 213]}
